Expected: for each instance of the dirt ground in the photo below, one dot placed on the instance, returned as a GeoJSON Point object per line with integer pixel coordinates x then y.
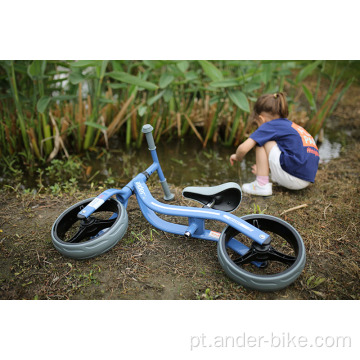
{"type": "Point", "coordinates": [150, 264]}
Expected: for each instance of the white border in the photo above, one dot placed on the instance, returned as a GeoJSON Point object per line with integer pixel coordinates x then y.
{"type": "Point", "coordinates": [187, 29]}
{"type": "Point", "coordinates": [163, 329]}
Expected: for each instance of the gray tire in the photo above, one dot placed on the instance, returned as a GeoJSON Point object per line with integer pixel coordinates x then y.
{"type": "Point", "coordinates": [94, 245]}
{"type": "Point", "coordinates": [240, 271]}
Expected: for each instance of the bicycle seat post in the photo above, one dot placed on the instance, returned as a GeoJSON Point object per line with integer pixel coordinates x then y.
{"type": "Point", "coordinates": [147, 130]}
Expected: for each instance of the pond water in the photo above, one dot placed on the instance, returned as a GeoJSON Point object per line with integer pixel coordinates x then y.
{"type": "Point", "coordinates": [186, 163]}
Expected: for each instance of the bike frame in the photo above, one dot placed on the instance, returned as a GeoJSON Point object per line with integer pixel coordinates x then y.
{"type": "Point", "coordinates": [196, 216]}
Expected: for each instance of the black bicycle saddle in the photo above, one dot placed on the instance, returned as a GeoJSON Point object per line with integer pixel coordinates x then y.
{"type": "Point", "coordinates": [225, 197]}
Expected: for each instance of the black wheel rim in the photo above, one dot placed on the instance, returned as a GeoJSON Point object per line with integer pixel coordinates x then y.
{"type": "Point", "coordinates": [277, 257]}
{"type": "Point", "coordinates": [72, 230]}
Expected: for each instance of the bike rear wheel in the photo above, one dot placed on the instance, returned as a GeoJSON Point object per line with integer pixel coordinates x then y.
{"type": "Point", "coordinates": [264, 268]}
{"type": "Point", "coordinates": [87, 238]}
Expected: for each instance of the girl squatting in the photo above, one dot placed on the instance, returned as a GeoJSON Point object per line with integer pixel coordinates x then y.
{"type": "Point", "coordinates": [283, 149]}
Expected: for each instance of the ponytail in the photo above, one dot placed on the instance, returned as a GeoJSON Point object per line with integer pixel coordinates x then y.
{"type": "Point", "coordinates": [274, 104]}
{"type": "Point", "coordinates": [281, 105]}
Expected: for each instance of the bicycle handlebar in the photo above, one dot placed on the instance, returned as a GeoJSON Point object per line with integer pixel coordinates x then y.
{"type": "Point", "coordinates": [147, 130]}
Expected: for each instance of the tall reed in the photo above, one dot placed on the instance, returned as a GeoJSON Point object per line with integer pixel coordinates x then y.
{"type": "Point", "coordinates": [50, 108]}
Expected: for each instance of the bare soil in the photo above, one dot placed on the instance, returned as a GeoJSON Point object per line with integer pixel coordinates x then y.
{"type": "Point", "coordinates": [150, 264]}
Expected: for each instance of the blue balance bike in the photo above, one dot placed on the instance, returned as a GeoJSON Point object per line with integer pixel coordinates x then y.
{"type": "Point", "coordinates": [258, 251]}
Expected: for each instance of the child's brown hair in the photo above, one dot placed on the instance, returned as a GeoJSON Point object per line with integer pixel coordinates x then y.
{"type": "Point", "coordinates": [274, 104]}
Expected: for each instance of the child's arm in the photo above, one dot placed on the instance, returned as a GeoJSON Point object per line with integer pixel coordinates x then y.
{"type": "Point", "coordinates": [242, 150]}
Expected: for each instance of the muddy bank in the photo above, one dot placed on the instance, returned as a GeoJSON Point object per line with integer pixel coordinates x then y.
{"type": "Point", "coordinates": [149, 264]}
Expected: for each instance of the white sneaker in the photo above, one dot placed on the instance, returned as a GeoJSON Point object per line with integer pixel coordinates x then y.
{"type": "Point", "coordinates": [255, 189]}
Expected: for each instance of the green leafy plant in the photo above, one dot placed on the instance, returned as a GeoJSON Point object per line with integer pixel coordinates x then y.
{"type": "Point", "coordinates": [52, 109]}
{"type": "Point", "coordinates": [321, 107]}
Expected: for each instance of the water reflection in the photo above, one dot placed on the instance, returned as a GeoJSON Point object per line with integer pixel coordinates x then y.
{"type": "Point", "coordinates": [329, 150]}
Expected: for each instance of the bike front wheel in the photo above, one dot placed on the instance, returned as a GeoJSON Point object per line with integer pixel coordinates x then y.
{"type": "Point", "coordinates": [87, 238]}
{"type": "Point", "coordinates": [264, 268]}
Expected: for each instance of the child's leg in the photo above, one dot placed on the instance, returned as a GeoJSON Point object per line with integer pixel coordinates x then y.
{"type": "Point", "coordinates": [261, 185]}
{"type": "Point", "coordinates": [268, 146]}
{"type": "Point", "coordinates": [262, 158]}
{"type": "Point", "coordinates": [262, 162]}
{"type": "Point", "coordinates": [262, 166]}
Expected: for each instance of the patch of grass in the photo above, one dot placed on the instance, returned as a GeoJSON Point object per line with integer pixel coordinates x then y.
{"type": "Point", "coordinates": [257, 209]}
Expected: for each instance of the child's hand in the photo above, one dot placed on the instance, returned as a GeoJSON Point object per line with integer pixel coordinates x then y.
{"type": "Point", "coordinates": [254, 169]}
{"type": "Point", "coordinates": [233, 159]}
